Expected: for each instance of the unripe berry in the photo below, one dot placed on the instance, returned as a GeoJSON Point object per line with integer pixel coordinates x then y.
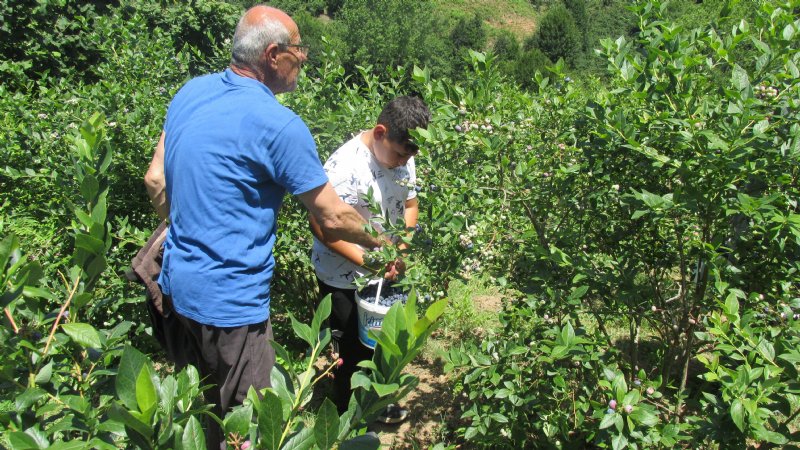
{"type": "Point", "coordinates": [650, 391]}
{"type": "Point", "coordinates": [628, 409]}
{"type": "Point", "coordinates": [612, 404]}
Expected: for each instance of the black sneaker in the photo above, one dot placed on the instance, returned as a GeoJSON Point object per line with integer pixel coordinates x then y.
{"type": "Point", "coordinates": [393, 414]}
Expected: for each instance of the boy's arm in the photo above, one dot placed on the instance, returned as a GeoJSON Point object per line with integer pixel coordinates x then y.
{"type": "Point", "coordinates": [411, 215]}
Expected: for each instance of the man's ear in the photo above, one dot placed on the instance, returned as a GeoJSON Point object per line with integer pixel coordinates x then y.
{"type": "Point", "coordinates": [271, 54]}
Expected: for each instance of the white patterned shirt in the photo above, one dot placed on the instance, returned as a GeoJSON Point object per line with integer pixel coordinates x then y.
{"type": "Point", "coordinates": [353, 170]}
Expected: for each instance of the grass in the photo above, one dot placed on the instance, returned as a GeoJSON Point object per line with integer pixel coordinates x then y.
{"type": "Point", "coordinates": [472, 308]}
{"type": "Point", "coordinates": [517, 16]}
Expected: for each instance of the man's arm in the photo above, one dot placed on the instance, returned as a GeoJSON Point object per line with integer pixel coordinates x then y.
{"type": "Point", "coordinates": [337, 220]}
{"type": "Point", "coordinates": [347, 250]}
{"type": "Point", "coordinates": [155, 182]}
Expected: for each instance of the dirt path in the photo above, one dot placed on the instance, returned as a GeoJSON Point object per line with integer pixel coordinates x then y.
{"type": "Point", "coordinates": [432, 407]}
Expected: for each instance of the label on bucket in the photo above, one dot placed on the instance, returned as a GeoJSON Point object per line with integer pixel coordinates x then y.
{"type": "Point", "coordinates": [373, 304]}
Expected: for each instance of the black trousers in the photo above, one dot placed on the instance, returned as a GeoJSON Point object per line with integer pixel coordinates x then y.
{"type": "Point", "coordinates": [231, 359]}
{"type": "Point", "coordinates": [343, 322]}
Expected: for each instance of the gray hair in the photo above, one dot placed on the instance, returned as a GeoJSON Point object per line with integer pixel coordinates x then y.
{"type": "Point", "coordinates": [250, 39]}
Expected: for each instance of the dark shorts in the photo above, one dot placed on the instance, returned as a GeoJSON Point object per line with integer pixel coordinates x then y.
{"type": "Point", "coordinates": [232, 359]}
{"type": "Point", "coordinates": [343, 322]}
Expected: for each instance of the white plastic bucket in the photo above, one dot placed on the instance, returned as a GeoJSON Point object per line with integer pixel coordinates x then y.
{"type": "Point", "coordinates": [370, 315]}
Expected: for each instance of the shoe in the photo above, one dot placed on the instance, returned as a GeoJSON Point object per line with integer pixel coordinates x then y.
{"type": "Point", "coordinates": [393, 414]}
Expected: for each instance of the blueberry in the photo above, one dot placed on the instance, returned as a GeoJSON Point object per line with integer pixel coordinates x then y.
{"type": "Point", "coordinates": [458, 128]}
{"type": "Point", "coordinates": [94, 354]}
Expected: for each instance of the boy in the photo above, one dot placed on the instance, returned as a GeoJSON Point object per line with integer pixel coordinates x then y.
{"type": "Point", "coordinates": [380, 159]}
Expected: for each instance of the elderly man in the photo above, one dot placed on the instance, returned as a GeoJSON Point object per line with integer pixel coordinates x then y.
{"type": "Point", "coordinates": [228, 154]}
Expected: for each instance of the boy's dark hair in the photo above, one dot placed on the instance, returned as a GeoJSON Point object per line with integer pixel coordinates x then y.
{"type": "Point", "coordinates": [403, 114]}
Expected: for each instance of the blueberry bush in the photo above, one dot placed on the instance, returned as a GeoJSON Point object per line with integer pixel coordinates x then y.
{"type": "Point", "coordinates": [644, 226]}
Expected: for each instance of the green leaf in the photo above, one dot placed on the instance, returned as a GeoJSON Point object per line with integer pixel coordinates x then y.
{"type": "Point", "coordinates": [27, 398]}
{"type": "Point", "coordinates": [121, 415]}
{"type": "Point", "coordinates": [363, 442]}
{"type": "Point", "coordinates": [167, 391]}
{"type": "Point", "coordinates": [22, 441]}
{"type": "Point", "coordinates": [578, 292]}
{"type": "Point", "coordinates": [302, 440]}
{"type": "Point", "coordinates": [193, 436]}
{"type": "Point", "coordinates": [434, 311]}
{"type": "Point", "coordinates": [146, 397]}
{"type": "Point", "coordinates": [771, 436]}
{"type": "Point", "coordinates": [789, 31]}
{"type": "Point", "coordinates": [740, 78]}
{"type": "Point", "coordinates": [385, 389]}
{"type": "Point", "coordinates": [303, 331]}
{"type": "Point", "coordinates": [644, 416]}
{"type": "Point", "coordinates": [78, 445]}
{"type": "Point", "coordinates": [499, 418]}
{"type": "Point", "coordinates": [270, 420]}
{"type": "Point", "coordinates": [7, 247]}
{"type": "Point", "coordinates": [100, 210]}
{"type": "Point", "coordinates": [238, 421]}
{"type": "Point", "coordinates": [360, 380]}
{"type": "Point", "coordinates": [283, 386]}
{"type": "Point", "coordinates": [761, 127]}
{"type": "Point", "coordinates": [737, 414]}
{"type": "Point", "coordinates": [82, 333]}
{"type": "Point", "coordinates": [89, 187]}
{"type": "Point", "coordinates": [130, 365]}
{"type": "Point", "coordinates": [82, 299]}
{"type": "Point", "coordinates": [45, 373]}
{"type": "Point", "coordinates": [321, 314]}
{"type": "Point", "coordinates": [619, 442]}
{"type": "Point", "coordinates": [607, 421]}
{"type": "Point", "coordinates": [732, 304]}
{"type": "Point", "coordinates": [90, 243]}
{"type": "Point", "coordinates": [326, 427]}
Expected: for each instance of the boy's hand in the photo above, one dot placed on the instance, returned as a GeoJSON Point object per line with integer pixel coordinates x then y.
{"type": "Point", "coordinates": [395, 269]}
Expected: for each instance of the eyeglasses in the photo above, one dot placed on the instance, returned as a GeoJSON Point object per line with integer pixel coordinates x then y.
{"type": "Point", "coordinates": [303, 49]}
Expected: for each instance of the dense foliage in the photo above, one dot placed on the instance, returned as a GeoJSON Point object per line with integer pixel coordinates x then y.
{"type": "Point", "coordinates": [646, 226]}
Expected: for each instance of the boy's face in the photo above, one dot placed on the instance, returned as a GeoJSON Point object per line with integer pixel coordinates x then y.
{"type": "Point", "coordinates": [391, 154]}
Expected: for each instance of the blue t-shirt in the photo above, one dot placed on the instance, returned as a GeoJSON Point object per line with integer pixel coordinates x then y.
{"type": "Point", "coordinates": [231, 153]}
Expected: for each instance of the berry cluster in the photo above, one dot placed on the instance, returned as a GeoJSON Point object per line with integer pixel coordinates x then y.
{"type": "Point", "coordinates": [389, 294]}
{"type": "Point", "coordinates": [765, 92]}
{"type": "Point", "coordinates": [408, 184]}
{"type": "Point", "coordinates": [466, 125]}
